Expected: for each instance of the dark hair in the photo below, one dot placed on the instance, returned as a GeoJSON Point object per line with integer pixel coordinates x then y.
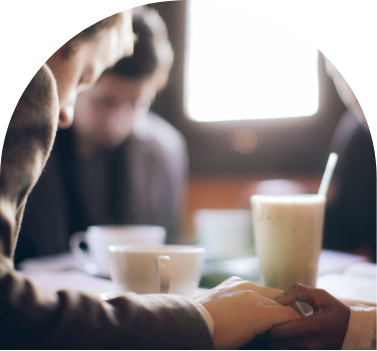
{"type": "Point", "coordinates": [152, 54]}
{"type": "Point", "coordinates": [114, 21]}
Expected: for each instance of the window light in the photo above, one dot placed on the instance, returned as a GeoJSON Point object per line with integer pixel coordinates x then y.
{"type": "Point", "coordinates": [241, 66]}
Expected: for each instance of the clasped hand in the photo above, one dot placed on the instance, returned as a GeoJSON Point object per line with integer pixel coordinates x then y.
{"type": "Point", "coordinates": [240, 312]}
{"type": "Point", "coordinates": [325, 329]}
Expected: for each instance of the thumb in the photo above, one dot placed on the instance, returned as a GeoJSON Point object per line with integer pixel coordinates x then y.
{"type": "Point", "coordinates": [297, 292]}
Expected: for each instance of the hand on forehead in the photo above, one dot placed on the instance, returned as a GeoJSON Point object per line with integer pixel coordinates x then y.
{"type": "Point", "coordinates": [77, 70]}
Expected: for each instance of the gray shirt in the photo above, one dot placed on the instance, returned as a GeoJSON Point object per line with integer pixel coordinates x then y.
{"type": "Point", "coordinates": [92, 181]}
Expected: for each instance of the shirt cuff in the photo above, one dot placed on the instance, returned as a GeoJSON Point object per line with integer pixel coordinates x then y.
{"type": "Point", "coordinates": [206, 316]}
{"type": "Point", "coordinates": [361, 332]}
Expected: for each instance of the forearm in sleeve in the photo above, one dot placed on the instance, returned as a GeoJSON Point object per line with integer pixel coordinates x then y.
{"type": "Point", "coordinates": [361, 332]}
{"type": "Point", "coordinates": [34, 319]}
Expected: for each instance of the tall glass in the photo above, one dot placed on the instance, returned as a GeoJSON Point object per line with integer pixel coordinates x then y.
{"type": "Point", "coordinates": [288, 233]}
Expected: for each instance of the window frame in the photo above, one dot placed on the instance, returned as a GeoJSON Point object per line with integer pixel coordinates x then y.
{"type": "Point", "coordinates": [287, 146]}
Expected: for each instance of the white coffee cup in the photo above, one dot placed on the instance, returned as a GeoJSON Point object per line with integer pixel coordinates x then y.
{"type": "Point", "coordinates": [224, 233]}
{"type": "Point", "coordinates": [174, 269]}
{"type": "Point", "coordinates": [99, 238]}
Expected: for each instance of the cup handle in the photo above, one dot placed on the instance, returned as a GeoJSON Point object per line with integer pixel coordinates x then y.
{"type": "Point", "coordinates": [74, 244]}
{"type": "Point", "coordinates": [163, 263]}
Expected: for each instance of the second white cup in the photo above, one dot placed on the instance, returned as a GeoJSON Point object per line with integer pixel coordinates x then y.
{"type": "Point", "coordinates": [174, 269]}
{"type": "Point", "coordinates": [99, 238]}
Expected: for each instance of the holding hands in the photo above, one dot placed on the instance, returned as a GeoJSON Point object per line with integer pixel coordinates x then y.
{"type": "Point", "coordinates": [325, 329]}
{"type": "Point", "coordinates": [240, 312]}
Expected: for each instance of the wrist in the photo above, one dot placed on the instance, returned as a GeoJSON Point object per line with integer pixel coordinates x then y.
{"type": "Point", "coordinates": [207, 317]}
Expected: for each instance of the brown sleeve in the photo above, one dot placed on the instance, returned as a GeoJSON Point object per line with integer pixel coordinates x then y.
{"type": "Point", "coordinates": [27, 144]}
{"type": "Point", "coordinates": [35, 319]}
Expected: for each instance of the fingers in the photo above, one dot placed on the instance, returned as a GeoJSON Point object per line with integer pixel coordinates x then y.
{"type": "Point", "coordinates": [292, 329]}
{"type": "Point", "coordinates": [298, 292]}
{"type": "Point", "coordinates": [268, 295]}
{"type": "Point", "coordinates": [282, 314]}
{"type": "Point", "coordinates": [230, 281]}
{"type": "Point", "coordinates": [295, 306]}
{"type": "Point", "coordinates": [239, 284]}
{"type": "Point", "coordinates": [271, 293]}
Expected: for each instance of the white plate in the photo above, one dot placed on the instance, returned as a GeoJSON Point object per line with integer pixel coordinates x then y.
{"type": "Point", "coordinates": [111, 294]}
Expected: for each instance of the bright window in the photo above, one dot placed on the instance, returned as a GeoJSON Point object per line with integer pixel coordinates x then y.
{"type": "Point", "coordinates": [240, 66]}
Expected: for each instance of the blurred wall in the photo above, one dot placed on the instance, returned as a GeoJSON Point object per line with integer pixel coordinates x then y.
{"type": "Point", "coordinates": [286, 147]}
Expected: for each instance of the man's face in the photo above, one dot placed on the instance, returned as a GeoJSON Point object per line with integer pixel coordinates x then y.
{"type": "Point", "coordinates": [82, 68]}
{"type": "Point", "coordinates": [105, 114]}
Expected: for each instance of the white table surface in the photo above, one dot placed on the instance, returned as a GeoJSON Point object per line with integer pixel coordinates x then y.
{"type": "Point", "coordinates": [347, 277]}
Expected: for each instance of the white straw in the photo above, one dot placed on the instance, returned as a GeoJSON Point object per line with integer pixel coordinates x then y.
{"type": "Point", "coordinates": [329, 170]}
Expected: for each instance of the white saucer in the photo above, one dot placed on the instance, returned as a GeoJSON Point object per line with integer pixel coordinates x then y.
{"type": "Point", "coordinates": [111, 294]}
{"type": "Point", "coordinates": [92, 269]}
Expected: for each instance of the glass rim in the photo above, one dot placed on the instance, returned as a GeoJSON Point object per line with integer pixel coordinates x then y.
{"type": "Point", "coordinates": [284, 197]}
{"type": "Point", "coordinates": [159, 249]}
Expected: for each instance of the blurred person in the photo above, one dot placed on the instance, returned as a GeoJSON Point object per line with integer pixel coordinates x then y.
{"type": "Point", "coordinates": [350, 223]}
{"type": "Point", "coordinates": [30, 318]}
{"type": "Point", "coordinates": [120, 163]}
{"type": "Point", "coordinates": [334, 325]}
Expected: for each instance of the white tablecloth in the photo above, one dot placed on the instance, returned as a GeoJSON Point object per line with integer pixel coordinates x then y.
{"type": "Point", "coordinates": [346, 276]}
